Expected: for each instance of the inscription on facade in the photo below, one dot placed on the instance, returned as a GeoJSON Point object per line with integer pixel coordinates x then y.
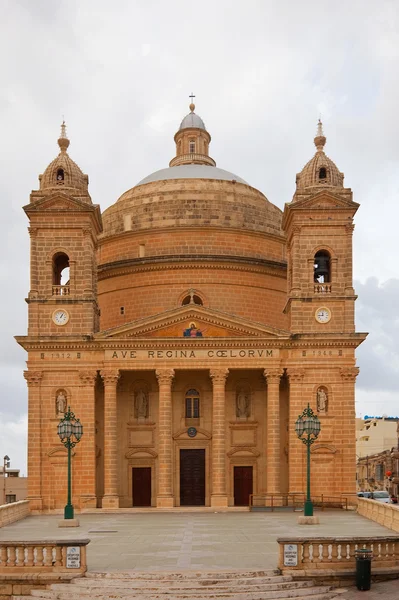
{"type": "Point", "coordinates": [186, 353]}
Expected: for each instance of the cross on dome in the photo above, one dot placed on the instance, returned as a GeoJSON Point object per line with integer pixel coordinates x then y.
{"type": "Point", "coordinates": [192, 105]}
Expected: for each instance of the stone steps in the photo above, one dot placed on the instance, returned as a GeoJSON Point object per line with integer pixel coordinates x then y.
{"type": "Point", "coordinates": [184, 585]}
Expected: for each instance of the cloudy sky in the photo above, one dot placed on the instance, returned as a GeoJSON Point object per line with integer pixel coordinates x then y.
{"type": "Point", "coordinates": [262, 72]}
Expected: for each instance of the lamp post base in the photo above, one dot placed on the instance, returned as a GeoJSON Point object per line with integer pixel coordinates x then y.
{"type": "Point", "coordinates": [68, 523]}
{"type": "Point", "coordinates": [308, 508]}
{"type": "Point", "coordinates": [308, 521]}
{"type": "Point", "coordinates": [68, 512]}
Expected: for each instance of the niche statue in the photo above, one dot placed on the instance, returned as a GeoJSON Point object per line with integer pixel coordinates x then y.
{"type": "Point", "coordinates": [322, 400]}
{"type": "Point", "coordinates": [242, 404]}
{"type": "Point", "coordinates": [141, 404]}
{"type": "Point", "coordinates": [60, 403]}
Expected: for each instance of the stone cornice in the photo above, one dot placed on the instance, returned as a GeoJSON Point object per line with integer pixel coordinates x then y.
{"type": "Point", "coordinates": [97, 345]}
{"type": "Point", "coordinates": [198, 261]}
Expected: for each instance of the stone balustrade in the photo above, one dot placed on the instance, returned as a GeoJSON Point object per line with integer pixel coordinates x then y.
{"type": "Point", "coordinates": [322, 288]}
{"type": "Point", "coordinates": [385, 514]}
{"type": "Point", "coordinates": [45, 556]}
{"type": "Point", "coordinates": [331, 554]}
{"type": "Point", "coordinates": [61, 290]}
{"type": "Point", "coordinates": [15, 511]}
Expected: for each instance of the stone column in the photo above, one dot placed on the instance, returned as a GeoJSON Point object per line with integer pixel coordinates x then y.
{"type": "Point", "coordinates": [345, 423]}
{"type": "Point", "coordinates": [87, 446]}
{"type": "Point", "coordinates": [219, 495]}
{"type": "Point", "coordinates": [111, 498]}
{"type": "Point", "coordinates": [273, 426]}
{"type": "Point", "coordinates": [165, 455]}
{"type": "Point", "coordinates": [33, 379]}
{"type": "Point", "coordinates": [296, 465]}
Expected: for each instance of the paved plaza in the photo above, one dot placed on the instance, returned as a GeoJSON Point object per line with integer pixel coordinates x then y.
{"type": "Point", "coordinates": [175, 541]}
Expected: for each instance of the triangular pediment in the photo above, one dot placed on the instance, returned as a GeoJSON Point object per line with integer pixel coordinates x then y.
{"type": "Point", "coordinates": [58, 201]}
{"type": "Point", "coordinates": [193, 321]}
{"type": "Point", "coordinates": [324, 199]}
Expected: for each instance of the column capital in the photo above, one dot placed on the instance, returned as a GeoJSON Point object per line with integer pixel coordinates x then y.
{"type": "Point", "coordinates": [273, 375]}
{"type": "Point", "coordinates": [218, 375]}
{"type": "Point", "coordinates": [33, 377]}
{"type": "Point", "coordinates": [296, 374]}
{"type": "Point", "coordinates": [110, 376]}
{"type": "Point", "coordinates": [165, 376]}
{"type": "Point", "coordinates": [349, 373]}
{"type": "Point", "coordinates": [88, 377]}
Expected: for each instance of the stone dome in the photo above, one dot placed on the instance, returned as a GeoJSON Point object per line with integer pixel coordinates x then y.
{"type": "Point", "coordinates": [63, 172]}
{"type": "Point", "coordinates": [320, 170]}
{"type": "Point", "coordinates": [192, 120]}
{"type": "Point", "coordinates": [192, 171]}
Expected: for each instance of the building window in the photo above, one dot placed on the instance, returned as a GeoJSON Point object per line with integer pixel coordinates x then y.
{"type": "Point", "coordinates": [192, 298]}
{"type": "Point", "coordinates": [10, 498]}
{"type": "Point", "coordinates": [322, 173]}
{"type": "Point", "coordinates": [60, 175]}
{"type": "Point", "coordinates": [192, 404]}
{"type": "Point", "coordinates": [379, 472]}
{"type": "Point", "coordinates": [191, 147]}
{"type": "Point", "coordinates": [322, 270]}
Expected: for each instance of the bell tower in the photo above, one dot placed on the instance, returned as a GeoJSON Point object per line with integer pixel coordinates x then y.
{"type": "Point", "coordinates": [63, 226]}
{"type": "Point", "coordinates": [319, 226]}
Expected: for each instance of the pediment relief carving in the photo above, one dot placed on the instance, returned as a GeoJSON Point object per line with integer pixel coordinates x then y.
{"type": "Point", "coordinates": [202, 434]}
{"type": "Point", "coordinates": [236, 452]}
{"type": "Point", "coordinates": [187, 322]}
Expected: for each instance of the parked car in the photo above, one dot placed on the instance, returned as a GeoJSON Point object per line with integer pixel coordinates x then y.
{"type": "Point", "coordinates": [381, 497]}
{"type": "Point", "coordinates": [364, 494]}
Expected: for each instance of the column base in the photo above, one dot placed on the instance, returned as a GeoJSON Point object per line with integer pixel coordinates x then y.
{"type": "Point", "coordinates": [165, 502]}
{"type": "Point", "coordinates": [110, 502]}
{"type": "Point", "coordinates": [219, 501]}
{"type": "Point", "coordinates": [88, 501]}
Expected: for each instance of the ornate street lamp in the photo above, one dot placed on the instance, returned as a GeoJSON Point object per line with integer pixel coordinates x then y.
{"type": "Point", "coordinates": [69, 430]}
{"type": "Point", "coordinates": [6, 465]}
{"type": "Point", "coordinates": [307, 428]}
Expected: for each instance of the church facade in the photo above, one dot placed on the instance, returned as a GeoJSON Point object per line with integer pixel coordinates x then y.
{"type": "Point", "coordinates": [187, 326]}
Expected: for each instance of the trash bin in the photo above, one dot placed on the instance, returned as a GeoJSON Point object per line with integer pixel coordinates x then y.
{"type": "Point", "coordinates": [363, 568]}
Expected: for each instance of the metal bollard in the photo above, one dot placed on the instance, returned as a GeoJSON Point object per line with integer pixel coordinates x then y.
{"type": "Point", "coordinates": [363, 568]}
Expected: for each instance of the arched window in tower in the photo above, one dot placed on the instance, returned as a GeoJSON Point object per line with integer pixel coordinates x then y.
{"type": "Point", "coordinates": [323, 174]}
{"type": "Point", "coordinates": [191, 146]}
{"type": "Point", "coordinates": [322, 267]}
{"type": "Point", "coordinates": [61, 274]}
{"type": "Point", "coordinates": [60, 175]}
{"type": "Point", "coordinates": [192, 404]}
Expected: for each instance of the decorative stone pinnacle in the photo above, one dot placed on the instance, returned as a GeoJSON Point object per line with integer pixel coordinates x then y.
{"type": "Point", "coordinates": [63, 141]}
{"type": "Point", "coordinates": [320, 138]}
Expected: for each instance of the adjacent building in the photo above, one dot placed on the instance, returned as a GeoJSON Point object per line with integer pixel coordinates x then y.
{"type": "Point", "coordinates": [187, 326]}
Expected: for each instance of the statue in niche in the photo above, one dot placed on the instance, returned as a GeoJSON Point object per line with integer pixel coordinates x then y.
{"type": "Point", "coordinates": [60, 403]}
{"type": "Point", "coordinates": [322, 400]}
{"type": "Point", "coordinates": [242, 404]}
{"type": "Point", "coordinates": [141, 404]}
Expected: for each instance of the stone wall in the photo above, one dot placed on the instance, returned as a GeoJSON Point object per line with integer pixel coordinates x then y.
{"type": "Point", "coordinates": [385, 514]}
{"type": "Point", "coordinates": [16, 511]}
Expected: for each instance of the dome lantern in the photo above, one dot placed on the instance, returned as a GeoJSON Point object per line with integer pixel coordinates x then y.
{"type": "Point", "coordinates": [192, 141]}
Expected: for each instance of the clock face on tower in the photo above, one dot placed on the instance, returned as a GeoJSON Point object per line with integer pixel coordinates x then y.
{"type": "Point", "coordinates": [60, 316]}
{"type": "Point", "coordinates": [323, 314]}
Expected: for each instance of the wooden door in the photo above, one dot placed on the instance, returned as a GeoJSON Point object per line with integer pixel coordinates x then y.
{"type": "Point", "coordinates": [141, 484]}
{"type": "Point", "coordinates": [243, 485]}
{"type": "Point", "coordinates": [192, 477]}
